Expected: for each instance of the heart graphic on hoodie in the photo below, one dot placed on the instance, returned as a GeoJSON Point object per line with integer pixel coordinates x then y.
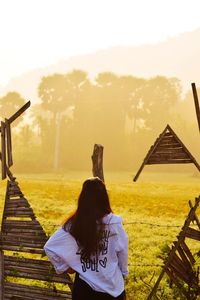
{"type": "Point", "coordinates": [103, 262]}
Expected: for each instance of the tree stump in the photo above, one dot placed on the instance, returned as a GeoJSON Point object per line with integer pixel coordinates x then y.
{"type": "Point", "coordinates": [97, 160]}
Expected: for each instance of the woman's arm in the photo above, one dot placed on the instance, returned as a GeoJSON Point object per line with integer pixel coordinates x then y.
{"type": "Point", "coordinates": [122, 250]}
{"type": "Point", "coordinates": [60, 249]}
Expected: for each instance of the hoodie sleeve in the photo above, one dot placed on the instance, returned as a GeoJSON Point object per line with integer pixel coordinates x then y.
{"type": "Point", "coordinates": [122, 249]}
{"type": "Point", "coordinates": [58, 249]}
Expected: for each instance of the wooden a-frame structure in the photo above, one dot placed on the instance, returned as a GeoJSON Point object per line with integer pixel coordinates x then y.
{"type": "Point", "coordinates": [167, 149]}
{"type": "Point", "coordinates": [21, 233]}
{"type": "Point", "coordinates": [180, 261]}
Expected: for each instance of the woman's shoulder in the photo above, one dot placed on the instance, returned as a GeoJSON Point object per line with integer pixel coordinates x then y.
{"type": "Point", "coordinates": [112, 219]}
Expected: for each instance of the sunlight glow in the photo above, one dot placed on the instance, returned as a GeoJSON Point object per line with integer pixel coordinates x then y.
{"type": "Point", "coordinates": [38, 33]}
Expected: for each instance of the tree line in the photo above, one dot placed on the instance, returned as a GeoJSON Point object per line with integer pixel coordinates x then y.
{"type": "Point", "coordinates": [124, 113]}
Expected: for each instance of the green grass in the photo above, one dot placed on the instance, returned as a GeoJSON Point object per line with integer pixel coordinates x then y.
{"type": "Point", "coordinates": [153, 209]}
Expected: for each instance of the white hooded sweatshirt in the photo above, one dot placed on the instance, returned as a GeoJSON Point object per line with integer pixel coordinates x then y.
{"type": "Point", "coordinates": [105, 272]}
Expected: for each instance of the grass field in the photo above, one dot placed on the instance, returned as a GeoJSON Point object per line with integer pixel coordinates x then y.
{"type": "Point", "coordinates": [153, 209]}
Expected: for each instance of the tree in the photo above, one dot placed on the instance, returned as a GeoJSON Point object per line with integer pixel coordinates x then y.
{"type": "Point", "coordinates": [9, 104]}
{"type": "Point", "coordinates": [58, 93]}
{"type": "Point", "coordinates": [158, 96]}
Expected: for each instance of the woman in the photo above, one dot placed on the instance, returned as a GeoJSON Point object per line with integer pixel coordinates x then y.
{"type": "Point", "coordinates": [93, 243]}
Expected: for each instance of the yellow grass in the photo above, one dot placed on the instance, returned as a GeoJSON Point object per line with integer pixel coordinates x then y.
{"type": "Point", "coordinates": [153, 209]}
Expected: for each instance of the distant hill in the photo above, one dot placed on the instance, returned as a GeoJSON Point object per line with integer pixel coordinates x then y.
{"type": "Point", "coordinates": [177, 57]}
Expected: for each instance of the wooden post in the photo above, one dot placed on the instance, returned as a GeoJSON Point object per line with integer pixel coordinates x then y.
{"type": "Point", "coordinates": [139, 171]}
{"type": "Point", "coordinates": [3, 150]}
{"type": "Point", "coordinates": [196, 102]}
{"type": "Point", "coordinates": [9, 173]}
{"type": "Point", "coordinates": [97, 160]}
{"type": "Point", "coordinates": [9, 144]}
{"type": "Point", "coordinates": [6, 142]}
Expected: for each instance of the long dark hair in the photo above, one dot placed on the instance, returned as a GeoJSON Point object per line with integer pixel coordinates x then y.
{"type": "Point", "coordinates": [93, 205]}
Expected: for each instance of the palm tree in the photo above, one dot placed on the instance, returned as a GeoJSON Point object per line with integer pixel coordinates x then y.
{"type": "Point", "coordinates": [59, 93]}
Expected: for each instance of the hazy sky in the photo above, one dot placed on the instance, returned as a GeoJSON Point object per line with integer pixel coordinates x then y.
{"type": "Point", "coordinates": [37, 33]}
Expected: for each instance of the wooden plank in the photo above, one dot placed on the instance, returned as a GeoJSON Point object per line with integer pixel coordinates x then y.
{"type": "Point", "coordinates": [34, 291]}
{"type": "Point", "coordinates": [15, 193]}
{"type": "Point", "coordinates": [22, 249]}
{"type": "Point", "coordinates": [11, 183]}
{"type": "Point", "coordinates": [19, 214]}
{"type": "Point", "coordinates": [14, 189]}
{"type": "Point", "coordinates": [24, 232]}
{"type": "Point", "coordinates": [187, 252]}
{"type": "Point", "coordinates": [31, 295]}
{"type": "Point", "coordinates": [13, 206]}
{"type": "Point", "coordinates": [17, 201]}
{"type": "Point", "coordinates": [23, 244]}
{"type": "Point", "coordinates": [20, 239]}
{"type": "Point", "coordinates": [195, 215]}
{"type": "Point", "coordinates": [9, 144]}
{"type": "Point", "coordinates": [10, 228]}
{"type": "Point", "coordinates": [173, 276]}
{"type": "Point", "coordinates": [36, 274]}
{"type": "Point", "coordinates": [168, 140]}
{"type": "Point", "coordinates": [19, 112]}
{"type": "Point", "coordinates": [169, 145]}
{"type": "Point", "coordinates": [3, 150]}
{"type": "Point", "coordinates": [170, 150]}
{"type": "Point", "coordinates": [30, 232]}
{"type": "Point", "coordinates": [184, 257]}
{"type": "Point", "coordinates": [10, 259]}
{"type": "Point", "coordinates": [196, 103]}
{"type": "Point", "coordinates": [23, 228]}
{"type": "Point", "coordinates": [177, 271]}
{"type": "Point", "coordinates": [176, 281]}
{"type": "Point", "coordinates": [169, 155]}
{"type": "Point", "coordinates": [168, 161]}
{"type": "Point", "coordinates": [168, 134]}
{"type": "Point", "coordinates": [22, 211]}
{"type": "Point", "coordinates": [22, 225]}
{"type": "Point", "coordinates": [192, 234]}
{"type": "Point", "coordinates": [37, 265]}
{"type": "Point", "coordinates": [180, 267]}
{"type": "Point", "coordinates": [179, 262]}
